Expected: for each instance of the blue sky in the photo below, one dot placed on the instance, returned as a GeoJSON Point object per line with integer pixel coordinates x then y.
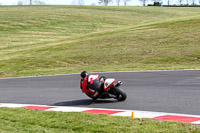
{"type": "Point", "coordinates": [87, 2]}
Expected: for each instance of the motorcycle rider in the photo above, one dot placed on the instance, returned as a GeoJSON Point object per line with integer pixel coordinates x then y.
{"type": "Point", "coordinates": [91, 84]}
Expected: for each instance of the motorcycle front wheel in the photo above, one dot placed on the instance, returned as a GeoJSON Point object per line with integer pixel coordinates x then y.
{"type": "Point", "coordinates": [121, 95]}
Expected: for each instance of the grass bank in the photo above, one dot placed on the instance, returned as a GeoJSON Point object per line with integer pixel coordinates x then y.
{"type": "Point", "coordinates": [23, 120]}
{"type": "Point", "coordinates": [43, 40]}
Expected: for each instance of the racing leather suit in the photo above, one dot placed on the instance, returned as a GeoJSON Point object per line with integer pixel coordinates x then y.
{"type": "Point", "coordinates": [91, 84]}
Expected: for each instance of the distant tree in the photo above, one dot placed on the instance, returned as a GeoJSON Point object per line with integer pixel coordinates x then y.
{"type": "Point", "coordinates": [157, 1]}
{"type": "Point", "coordinates": [193, 2]}
{"type": "Point", "coordinates": [125, 2]}
{"type": "Point", "coordinates": [80, 2]}
{"type": "Point", "coordinates": [187, 2]}
{"type": "Point", "coordinates": [105, 2]}
{"type": "Point", "coordinates": [38, 2]}
{"type": "Point", "coordinates": [31, 2]}
{"type": "Point", "coordinates": [118, 1]}
{"type": "Point", "coordinates": [144, 2]}
{"type": "Point", "coordinates": [20, 2]}
{"type": "Point", "coordinates": [168, 2]}
{"type": "Point", "coordinates": [77, 2]}
{"type": "Point", "coordinates": [180, 2]}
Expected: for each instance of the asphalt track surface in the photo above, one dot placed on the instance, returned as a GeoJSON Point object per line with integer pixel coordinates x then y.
{"type": "Point", "coordinates": [159, 91]}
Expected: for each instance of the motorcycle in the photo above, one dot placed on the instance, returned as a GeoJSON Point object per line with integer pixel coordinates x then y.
{"type": "Point", "coordinates": [110, 90]}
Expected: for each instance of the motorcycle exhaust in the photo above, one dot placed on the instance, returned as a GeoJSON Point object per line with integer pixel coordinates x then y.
{"type": "Point", "coordinates": [118, 83]}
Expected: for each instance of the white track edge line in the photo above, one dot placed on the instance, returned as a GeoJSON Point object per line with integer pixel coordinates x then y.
{"type": "Point", "coordinates": [147, 114]}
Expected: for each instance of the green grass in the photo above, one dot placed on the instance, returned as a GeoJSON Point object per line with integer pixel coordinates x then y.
{"type": "Point", "coordinates": [43, 40]}
{"type": "Point", "coordinates": [23, 121]}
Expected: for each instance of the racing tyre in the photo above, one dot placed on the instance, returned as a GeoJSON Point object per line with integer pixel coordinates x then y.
{"type": "Point", "coordinates": [121, 95]}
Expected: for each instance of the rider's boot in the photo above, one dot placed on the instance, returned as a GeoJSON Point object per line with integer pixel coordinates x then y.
{"type": "Point", "coordinates": [95, 94]}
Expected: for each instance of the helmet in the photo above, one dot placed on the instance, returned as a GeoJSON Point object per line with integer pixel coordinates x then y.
{"type": "Point", "coordinates": [83, 74]}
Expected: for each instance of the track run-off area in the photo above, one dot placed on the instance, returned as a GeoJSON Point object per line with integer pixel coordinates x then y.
{"type": "Point", "coordinates": [156, 91]}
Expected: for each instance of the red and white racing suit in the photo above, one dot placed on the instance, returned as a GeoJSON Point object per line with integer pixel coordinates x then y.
{"type": "Point", "coordinates": [91, 84]}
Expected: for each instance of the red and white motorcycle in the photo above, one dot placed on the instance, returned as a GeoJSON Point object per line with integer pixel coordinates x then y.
{"type": "Point", "coordinates": [110, 90]}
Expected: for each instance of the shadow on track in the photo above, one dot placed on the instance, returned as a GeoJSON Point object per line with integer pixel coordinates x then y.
{"type": "Point", "coordinates": [83, 102]}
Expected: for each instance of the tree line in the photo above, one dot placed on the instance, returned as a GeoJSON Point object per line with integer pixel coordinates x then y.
{"type": "Point", "coordinates": [144, 2]}
{"type": "Point", "coordinates": [31, 2]}
{"type": "Point", "coordinates": [118, 2]}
